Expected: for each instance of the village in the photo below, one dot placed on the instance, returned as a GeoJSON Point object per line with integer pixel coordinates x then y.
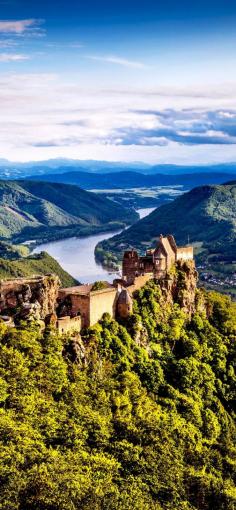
{"type": "Point", "coordinates": [73, 308]}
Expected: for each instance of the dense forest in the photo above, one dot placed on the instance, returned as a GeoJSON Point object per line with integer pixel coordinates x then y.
{"type": "Point", "coordinates": [135, 415]}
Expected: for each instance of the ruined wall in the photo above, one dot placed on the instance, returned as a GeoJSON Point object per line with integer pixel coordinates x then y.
{"type": "Point", "coordinates": [29, 298]}
{"type": "Point", "coordinates": [68, 324]}
{"type": "Point", "coordinates": [90, 305]}
{"type": "Point", "coordinates": [102, 301]}
{"type": "Point", "coordinates": [139, 282]}
{"type": "Point", "coordinates": [72, 304]}
{"type": "Point", "coordinates": [184, 253]}
{"type": "Point", "coordinates": [130, 264]}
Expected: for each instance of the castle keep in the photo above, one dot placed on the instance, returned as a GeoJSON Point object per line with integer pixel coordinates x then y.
{"type": "Point", "coordinates": [157, 260]}
{"type": "Point", "coordinates": [71, 309]}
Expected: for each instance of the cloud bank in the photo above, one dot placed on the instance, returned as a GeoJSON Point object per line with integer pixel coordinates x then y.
{"type": "Point", "coordinates": [43, 116]}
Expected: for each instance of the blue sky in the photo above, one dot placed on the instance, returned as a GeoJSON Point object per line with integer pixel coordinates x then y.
{"type": "Point", "coordinates": [151, 81]}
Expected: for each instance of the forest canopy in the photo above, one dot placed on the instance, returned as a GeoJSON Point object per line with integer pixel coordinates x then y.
{"type": "Point", "coordinates": [134, 415]}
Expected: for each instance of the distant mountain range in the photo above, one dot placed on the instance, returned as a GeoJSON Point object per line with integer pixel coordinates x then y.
{"type": "Point", "coordinates": [16, 170]}
{"type": "Point", "coordinates": [131, 179]}
{"type": "Point", "coordinates": [38, 210]}
{"type": "Point", "coordinates": [205, 215]}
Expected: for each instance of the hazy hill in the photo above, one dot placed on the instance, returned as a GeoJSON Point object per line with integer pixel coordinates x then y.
{"type": "Point", "coordinates": [206, 214]}
{"type": "Point", "coordinates": [30, 207]}
{"type": "Point", "coordinates": [131, 179]}
{"type": "Point", "coordinates": [16, 170]}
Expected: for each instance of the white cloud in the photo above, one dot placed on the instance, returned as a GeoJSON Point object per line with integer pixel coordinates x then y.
{"type": "Point", "coordinates": [8, 43]}
{"type": "Point", "coordinates": [20, 27]}
{"type": "Point", "coordinates": [13, 57]}
{"type": "Point", "coordinates": [43, 116]}
{"type": "Point", "coordinates": [112, 59]}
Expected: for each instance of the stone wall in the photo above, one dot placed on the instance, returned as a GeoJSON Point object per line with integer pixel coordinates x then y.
{"type": "Point", "coordinates": [139, 282]}
{"type": "Point", "coordinates": [91, 305]}
{"type": "Point", "coordinates": [68, 324]}
{"type": "Point", "coordinates": [102, 301]}
{"type": "Point", "coordinates": [72, 303]}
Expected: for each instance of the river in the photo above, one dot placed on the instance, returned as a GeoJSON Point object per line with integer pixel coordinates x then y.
{"type": "Point", "coordinates": [76, 255]}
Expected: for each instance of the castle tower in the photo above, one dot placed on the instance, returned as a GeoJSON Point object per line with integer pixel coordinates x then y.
{"type": "Point", "coordinates": [130, 266]}
{"type": "Point", "coordinates": [124, 304]}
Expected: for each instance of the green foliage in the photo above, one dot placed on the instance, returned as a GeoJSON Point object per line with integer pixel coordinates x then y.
{"type": "Point", "coordinates": [146, 421]}
{"type": "Point", "coordinates": [12, 251]}
{"type": "Point", "coordinates": [39, 264]}
{"type": "Point", "coordinates": [99, 285]}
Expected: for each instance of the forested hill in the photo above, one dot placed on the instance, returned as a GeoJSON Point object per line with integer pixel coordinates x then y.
{"type": "Point", "coordinates": [206, 215]}
{"type": "Point", "coordinates": [35, 209]}
{"type": "Point", "coordinates": [132, 416]}
{"type": "Point", "coordinates": [131, 179]}
{"type": "Point", "coordinates": [16, 266]}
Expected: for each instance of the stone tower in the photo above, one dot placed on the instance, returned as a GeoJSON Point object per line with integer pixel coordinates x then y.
{"type": "Point", "coordinates": [130, 266]}
{"type": "Point", "coordinates": [124, 304]}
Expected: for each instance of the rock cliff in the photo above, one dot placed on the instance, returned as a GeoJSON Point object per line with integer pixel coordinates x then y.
{"type": "Point", "coordinates": [180, 286]}
{"type": "Point", "coordinates": [30, 298]}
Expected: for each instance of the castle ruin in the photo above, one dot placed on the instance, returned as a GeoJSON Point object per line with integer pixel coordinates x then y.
{"type": "Point", "coordinates": [157, 260]}
{"type": "Point", "coordinates": [71, 309]}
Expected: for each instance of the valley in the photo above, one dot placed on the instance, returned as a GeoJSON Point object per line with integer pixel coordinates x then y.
{"type": "Point", "coordinates": [141, 197]}
{"type": "Point", "coordinates": [61, 220]}
{"type": "Point", "coordinates": [77, 255]}
{"type": "Point", "coordinates": [47, 211]}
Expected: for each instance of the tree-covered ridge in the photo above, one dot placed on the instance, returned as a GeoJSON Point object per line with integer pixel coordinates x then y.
{"type": "Point", "coordinates": [211, 213]}
{"type": "Point", "coordinates": [136, 415]}
{"type": "Point", "coordinates": [38, 264]}
{"type": "Point", "coordinates": [40, 210]}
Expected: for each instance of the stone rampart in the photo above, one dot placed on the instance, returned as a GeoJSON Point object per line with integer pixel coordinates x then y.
{"type": "Point", "coordinates": [68, 324]}
{"type": "Point", "coordinates": [139, 282]}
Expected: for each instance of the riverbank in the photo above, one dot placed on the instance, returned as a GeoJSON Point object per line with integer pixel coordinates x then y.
{"type": "Point", "coordinates": [63, 233]}
{"type": "Point", "coordinates": [76, 255]}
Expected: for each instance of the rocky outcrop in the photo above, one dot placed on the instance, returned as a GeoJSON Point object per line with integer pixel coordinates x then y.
{"type": "Point", "coordinates": [180, 286]}
{"type": "Point", "coordinates": [75, 350]}
{"type": "Point", "coordinates": [29, 298]}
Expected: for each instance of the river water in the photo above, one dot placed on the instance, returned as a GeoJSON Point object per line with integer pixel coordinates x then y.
{"type": "Point", "coordinates": [76, 255]}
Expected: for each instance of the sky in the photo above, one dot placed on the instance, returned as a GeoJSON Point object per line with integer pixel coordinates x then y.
{"type": "Point", "coordinates": [151, 81]}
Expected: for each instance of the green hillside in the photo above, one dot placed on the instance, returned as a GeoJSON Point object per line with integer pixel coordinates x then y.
{"type": "Point", "coordinates": [132, 416]}
{"type": "Point", "coordinates": [13, 251]}
{"type": "Point", "coordinates": [34, 265]}
{"type": "Point", "coordinates": [88, 207]}
{"type": "Point", "coordinates": [30, 209]}
{"type": "Point", "coordinates": [205, 217]}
